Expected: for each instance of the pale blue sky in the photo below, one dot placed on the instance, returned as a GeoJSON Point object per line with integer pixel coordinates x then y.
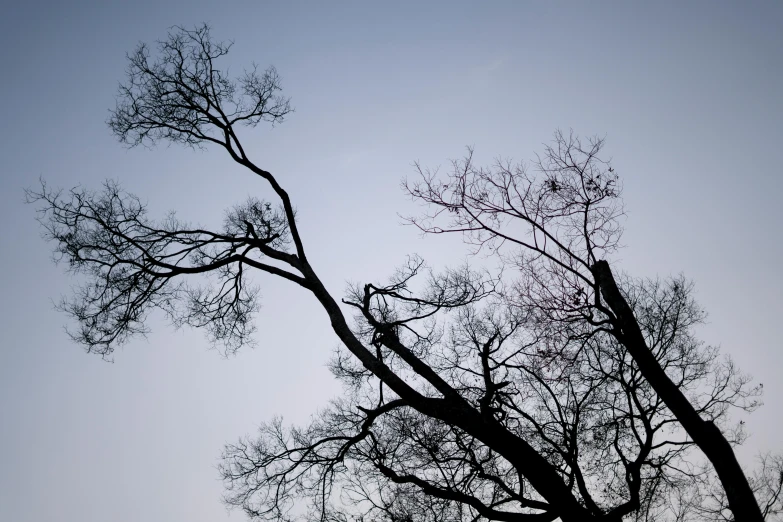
{"type": "Point", "coordinates": [689, 98]}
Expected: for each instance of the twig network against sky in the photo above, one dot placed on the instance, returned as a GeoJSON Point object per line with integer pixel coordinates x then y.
{"type": "Point", "coordinates": [688, 97]}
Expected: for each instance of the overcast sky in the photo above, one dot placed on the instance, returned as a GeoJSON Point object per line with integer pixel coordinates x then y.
{"type": "Point", "coordinates": [689, 99]}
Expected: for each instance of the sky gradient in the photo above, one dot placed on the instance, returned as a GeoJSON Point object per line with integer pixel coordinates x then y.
{"type": "Point", "coordinates": [689, 98]}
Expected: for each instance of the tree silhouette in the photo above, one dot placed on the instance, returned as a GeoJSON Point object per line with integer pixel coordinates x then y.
{"type": "Point", "coordinates": [468, 396]}
{"type": "Point", "coordinates": [560, 226]}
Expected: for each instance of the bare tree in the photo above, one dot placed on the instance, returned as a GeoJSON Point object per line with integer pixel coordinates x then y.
{"type": "Point", "coordinates": [557, 226]}
{"type": "Point", "coordinates": [583, 405]}
{"type": "Point", "coordinates": [468, 397]}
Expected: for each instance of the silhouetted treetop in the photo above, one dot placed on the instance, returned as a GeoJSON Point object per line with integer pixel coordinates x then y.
{"type": "Point", "coordinates": [182, 95]}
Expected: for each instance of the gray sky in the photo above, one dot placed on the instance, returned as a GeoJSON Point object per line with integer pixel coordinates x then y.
{"type": "Point", "coordinates": [689, 98]}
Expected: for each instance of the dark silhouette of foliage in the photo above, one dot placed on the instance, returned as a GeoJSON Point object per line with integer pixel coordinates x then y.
{"type": "Point", "coordinates": [468, 395]}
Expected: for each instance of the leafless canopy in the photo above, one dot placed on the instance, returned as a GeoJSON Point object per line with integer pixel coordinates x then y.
{"type": "Point", "coordinates": [552, 222]}
{"type": "Point", "coordinates": [468, 396]}
{"type": "Point", "coordinates": [181, 96]}
{"type": "Point", "coordinates": [557, 225]}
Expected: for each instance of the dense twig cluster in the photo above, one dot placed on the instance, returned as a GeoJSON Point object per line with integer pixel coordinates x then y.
{"type": "Point", "coordinates": [135, 264]}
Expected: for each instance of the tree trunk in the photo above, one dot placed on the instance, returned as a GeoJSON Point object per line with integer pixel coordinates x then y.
{"type": "Point", "coordinates": [705, 434]}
